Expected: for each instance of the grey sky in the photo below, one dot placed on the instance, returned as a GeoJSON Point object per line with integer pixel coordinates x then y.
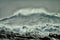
{"type": "Point", "coordinates": [8, 7]}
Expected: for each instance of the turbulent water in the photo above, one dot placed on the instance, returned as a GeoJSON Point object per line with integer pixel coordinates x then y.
{"type": "Point", "coordinates": [36, 21]}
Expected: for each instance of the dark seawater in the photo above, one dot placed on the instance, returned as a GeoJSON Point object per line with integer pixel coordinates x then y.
{"type": "Point", "coordinates": [33, 24]}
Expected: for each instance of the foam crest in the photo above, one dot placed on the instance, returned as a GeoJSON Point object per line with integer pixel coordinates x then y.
{"type": "Point", "coordinates": [28, 11]}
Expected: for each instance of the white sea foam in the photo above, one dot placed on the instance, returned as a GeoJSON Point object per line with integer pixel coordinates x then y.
{"type": "Point", "coordinates": [38, 31]}
{"type": "Point", "coordinates": [28, 11]}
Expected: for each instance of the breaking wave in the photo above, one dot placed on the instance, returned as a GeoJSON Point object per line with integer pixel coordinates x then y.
{"type": "Point", "coordinates": [36, 21]}
{"type": "Point", "coordinates": [29, 11]}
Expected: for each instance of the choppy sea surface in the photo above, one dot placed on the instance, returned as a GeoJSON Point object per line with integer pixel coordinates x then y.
{"type": "Point", "coordinates": [35, 22]}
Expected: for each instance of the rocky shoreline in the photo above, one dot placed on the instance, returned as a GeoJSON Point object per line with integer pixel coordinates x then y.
{"type": "Point", "coordinates": [17, 36]}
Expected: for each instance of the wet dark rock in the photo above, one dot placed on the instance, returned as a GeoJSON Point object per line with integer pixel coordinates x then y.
{"type": "Point", "coordinates": [2, 31]}
{"type": "Point", "coordinates": [45, 38]}
{"type": "Point", "coordinates": [17, 36]}
{"type": "Point", "coordinates": [2, 36]}
{"type": "Point", "coordinates": [8, 36]}
{"type": "Point", "coordinates": [54, 36]}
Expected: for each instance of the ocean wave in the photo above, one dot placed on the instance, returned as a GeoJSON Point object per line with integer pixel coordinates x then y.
{"type": "Point", "coordinates": [31, 11]}
{"type": "Point", "coordinates": [37, 22]}
{"type": "Point", "coordinates": [33, 19]}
